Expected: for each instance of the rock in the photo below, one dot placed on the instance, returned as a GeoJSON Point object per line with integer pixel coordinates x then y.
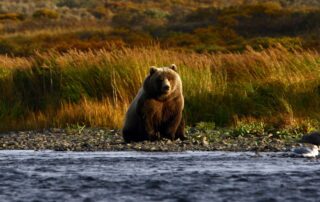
{"type": "Point", "coordinates": [309, 151]}
{"type": "Point", "coordinates": [311, 138]}
{"type": "Point", "coordinates": [56, 130]}
{"type": "Point", "coordinates": [205, 142]}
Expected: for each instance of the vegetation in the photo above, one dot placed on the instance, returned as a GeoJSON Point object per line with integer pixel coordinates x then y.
{"type": "Point", "coordinates": [274, 86]}
{"type": "Point", "coordinates": [201, 26]}
{"type": "Point", "coordinates": [82, 62]}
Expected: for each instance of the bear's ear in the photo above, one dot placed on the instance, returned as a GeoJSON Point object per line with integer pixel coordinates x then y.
{"type": "Point", "coordinates": [174, 67]}
{"type": "Point", "coordinates": [153, 69]}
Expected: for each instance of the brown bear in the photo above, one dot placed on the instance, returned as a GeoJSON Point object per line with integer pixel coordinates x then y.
{"type": "Point", "coordinates": [156, 111]}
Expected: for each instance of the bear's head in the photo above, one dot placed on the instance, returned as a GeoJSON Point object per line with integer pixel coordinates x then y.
{"type": "Point", "coordinates": [163, 82]}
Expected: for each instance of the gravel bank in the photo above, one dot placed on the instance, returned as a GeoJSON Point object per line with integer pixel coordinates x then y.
{"type": "Point", "coordinates": [101, 139]}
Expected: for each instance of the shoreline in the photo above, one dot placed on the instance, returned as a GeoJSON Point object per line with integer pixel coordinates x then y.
{"type": "Point", "coordinates": [102, 139]}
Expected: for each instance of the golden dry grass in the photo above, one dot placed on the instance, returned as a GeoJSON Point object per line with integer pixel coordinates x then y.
{"type": "Point", "coordinates": [94, 88]}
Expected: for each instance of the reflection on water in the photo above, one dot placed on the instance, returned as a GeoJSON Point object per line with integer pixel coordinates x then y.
{"type": "Point", "coordinates": [133, 176]}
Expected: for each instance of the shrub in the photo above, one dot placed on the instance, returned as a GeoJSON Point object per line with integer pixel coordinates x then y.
{"type": "Point", "coordinates": [11, 16]}
{"type": "Point", "coordinates": [46, 13]}
{"type": "Point", "coordinates": [80, 3]}
{"type": "Point", "coordinates": [291, 43]}
{"type": "Point", "coordinates": [101, 13]}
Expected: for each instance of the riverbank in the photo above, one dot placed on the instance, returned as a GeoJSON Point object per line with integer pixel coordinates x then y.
{"type": "Point", "coordinates": [102, 139]}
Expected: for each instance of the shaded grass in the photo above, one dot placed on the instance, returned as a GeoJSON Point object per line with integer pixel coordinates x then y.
{"type": "Point", "coordinates": [94, 88]}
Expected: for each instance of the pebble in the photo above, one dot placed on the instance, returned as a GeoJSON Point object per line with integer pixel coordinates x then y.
{"type": "Point", "coordinates": [91, 139]}
{"type": "Point", "coordinates": [205, 142]}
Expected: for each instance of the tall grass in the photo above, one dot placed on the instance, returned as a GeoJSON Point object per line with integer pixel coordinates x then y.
{"type": "Point", "coordinates": [95, 88]}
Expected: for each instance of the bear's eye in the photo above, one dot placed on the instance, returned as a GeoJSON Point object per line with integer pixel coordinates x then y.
{"type": "Point", "coordinates": [170, 78]}
{"type": "Point", "coordinates": [160, 79]}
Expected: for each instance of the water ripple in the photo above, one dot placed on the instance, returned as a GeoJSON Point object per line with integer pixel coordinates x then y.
{"type": "Point", "coordinates": [139, 176]}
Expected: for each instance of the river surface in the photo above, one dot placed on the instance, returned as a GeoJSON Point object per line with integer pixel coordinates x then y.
{"type": "Point", "coordinates": [138, 176]}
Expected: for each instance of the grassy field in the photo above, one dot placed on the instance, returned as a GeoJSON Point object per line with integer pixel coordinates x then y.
{"type": "Point", "coordinates": [274, 87]}
{"type": "Point", "coordinates": [28, 26]}
{"type": "Point", "coordinates": [71, 63]}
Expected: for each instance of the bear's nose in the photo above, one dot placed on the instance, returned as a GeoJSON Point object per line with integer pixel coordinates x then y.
{"type": "Point", "coordinates": [166, 88]}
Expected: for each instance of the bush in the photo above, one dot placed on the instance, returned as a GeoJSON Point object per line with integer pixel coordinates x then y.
{"type": "Point", "coordinates": [101, 13]}
{"type": "Point", "coordinates": [11, 16]}
{"type": "Point", "coordinates": [80, 3]}
{"type": "Point", "coordinates": [266, 42]}
{"type": "Point", "coordinates": [46, 13]}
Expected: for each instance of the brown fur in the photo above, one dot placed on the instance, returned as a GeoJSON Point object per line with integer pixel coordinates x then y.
{"type": "Point", "coordinates": [156, 111]}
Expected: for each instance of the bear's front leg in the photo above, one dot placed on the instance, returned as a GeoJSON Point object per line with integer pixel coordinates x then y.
{"type": "Point", "coordinates": [180, 133]}
{"type": "Point", "coordinates": [149, 126]}
{"type": "Point", "coordinates": [171, 126]}
{"type": "Point", "coordinates": [150, 130]}
{"type": "Point", "coordinates": [146, 114]}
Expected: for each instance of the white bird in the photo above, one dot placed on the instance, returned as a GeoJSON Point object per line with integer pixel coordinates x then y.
{"type": "Point", "coordinates": [306, 151]}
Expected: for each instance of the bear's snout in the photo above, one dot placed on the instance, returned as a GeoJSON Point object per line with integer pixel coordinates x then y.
{"type": "Point", "coordinates": [165, 86]}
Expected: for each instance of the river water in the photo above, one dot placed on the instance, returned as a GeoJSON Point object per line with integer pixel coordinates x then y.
{"type": "Point", "coordinates": [138, 176]}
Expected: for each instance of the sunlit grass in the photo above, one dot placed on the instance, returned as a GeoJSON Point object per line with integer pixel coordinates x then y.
{"type": "Point", "coordinates": [94, 88]}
